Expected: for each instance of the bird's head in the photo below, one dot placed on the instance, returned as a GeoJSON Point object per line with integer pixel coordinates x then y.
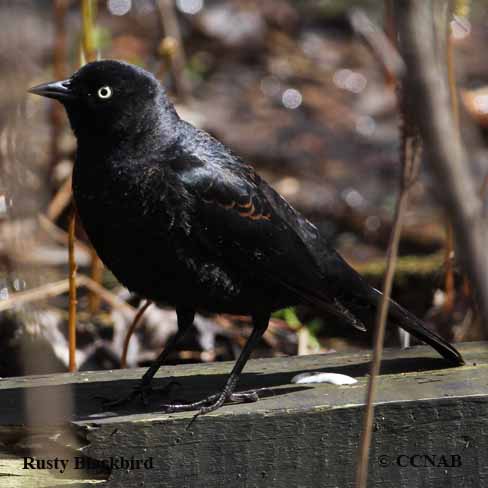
{"type": "Point", "coordinates": [110, 98]}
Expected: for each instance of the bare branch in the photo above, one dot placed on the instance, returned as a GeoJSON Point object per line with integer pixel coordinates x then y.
{"type": "Point", "coordinates": [72, 292]}
{"type": "Point", "coordinates": [50, 290]}
{"type": "Point", "coordinates": [173, 44]}
{"type": "Point", "coordinates": [132, 328]}
{"type": "Point", "coordinates": [411, 150]}
{"type": "Point", "coordinates": [379, 43]}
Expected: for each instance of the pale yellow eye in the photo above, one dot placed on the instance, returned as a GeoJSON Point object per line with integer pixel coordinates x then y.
{"type": "Point", "coordinates": [104, 92]}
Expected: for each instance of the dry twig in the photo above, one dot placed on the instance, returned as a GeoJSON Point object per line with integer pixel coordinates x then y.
{"type": "Point", "coordinates": [88, 45]}
{"type": "Point", "coordinates": [40, 293]}
{"type": "Point", "coordinates": [51, 290]}
{"type": "Point", "coordinates": [449, 246]}
{"type": "Point", "coordinates": [60, 8]}
{"type": "Point", "coordinates": [410, 159]}
{"type": "Point", "coordinates": [97, 275]}
{"type": "Point", "coordinates": [106, 295]}
{"type": "Point", "coordinates": [59, 235]}
{"type": "Point", "coordinates": [60, 201]}
{"type": "Point", "coordinates": [72, 292]}
{"type": "Point", "coordinates": [172, 45]}
{"type": "Point", "coordinates": [411, 162]}
{"type": "Point", "coordinates": [89, 53]}
{"type": "Point", "coordinates": [379, 43]}
{"type": "Point", "coordinates": [132, 328]}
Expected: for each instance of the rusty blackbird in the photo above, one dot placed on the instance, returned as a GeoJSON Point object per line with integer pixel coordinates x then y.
{"type": "Point", "coordinates": [180, 219]}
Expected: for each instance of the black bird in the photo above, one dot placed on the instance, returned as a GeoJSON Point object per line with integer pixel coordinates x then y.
{"type": "Point", "coordinates": [180, 219]}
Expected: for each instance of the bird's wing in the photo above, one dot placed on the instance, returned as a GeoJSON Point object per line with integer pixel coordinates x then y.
{"type": "Point", "coordinates": [237, 222]}
{"type": "Point", "coordinates": [243, 221]}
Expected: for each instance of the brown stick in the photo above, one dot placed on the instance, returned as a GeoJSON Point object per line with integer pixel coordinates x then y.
{"type": "Point", "coordinates": [58, 234]}
{"type": "Point", "coordinates": [449, 251]}
{"type": "Point", "coordinates": [410, 164]}
{"type": "Point", "coordinates": [90, 53]}
{"type": "Point", "coordinates": [40, 293]}
{"type": "Point", "coordinates": [96, 275]}
{"type": "Point", "coordinates": [72, 292]}
{"type": "Point", "coordinates": [132, 328]}
{"type": "Point", "coordinates": [390, 32]}
{"type": "Point", "coordinates": [107, 295]}
{"type": "Point", "coordinates": [88, 8]}
{"type": "Point", "coordinates": [60, 200]}
{"type": "Point", "coordinates": [173, 45]}
{"type": "Point", "coordinates": [484, 188]}
{"type": "Point", "coordinates": [449, 270]}
{"type": "Point", "coordinates": [88, 45]}
{"type": "Point", "coordinates": [410, 159]}
{"type": "Point", "coordinates": [60, 8]}
{"type": "Point", "coordinates": [381, 45]}
{"type": "Point", "coordinates": [50, 290]}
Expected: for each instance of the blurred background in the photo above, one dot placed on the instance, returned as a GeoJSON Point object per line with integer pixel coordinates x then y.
{"type": "Point", "coordinates": [291, 87]}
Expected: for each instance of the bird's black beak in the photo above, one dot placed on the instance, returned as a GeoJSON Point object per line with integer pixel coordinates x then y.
{"type": "Point", "coordinates": [59, 90]}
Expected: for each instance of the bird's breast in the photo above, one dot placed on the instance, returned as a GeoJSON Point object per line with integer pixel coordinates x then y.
{"type": "Point", "coordinates": [141, 227]}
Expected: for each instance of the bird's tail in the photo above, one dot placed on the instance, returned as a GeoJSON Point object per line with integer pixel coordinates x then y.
{"type": "Point", "coordinates": [356, 301]}
{"type": "Point", "coordinates": [397, 315]}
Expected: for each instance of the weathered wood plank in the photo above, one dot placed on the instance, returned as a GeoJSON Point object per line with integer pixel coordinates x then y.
{"type": "Point", "coordinates": [296, 435]}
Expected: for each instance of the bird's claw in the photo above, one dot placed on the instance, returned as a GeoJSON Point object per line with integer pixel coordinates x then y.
{"type": "Point", "coordinates": [250, 396]}
{"type": "Point", "coordinates": [212, 402]}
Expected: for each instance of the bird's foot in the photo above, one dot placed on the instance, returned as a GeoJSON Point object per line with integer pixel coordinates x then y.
{"type": "Point", "coordinates": [213, 402]}
{"type": "Point", "coordinates": [142, 392]}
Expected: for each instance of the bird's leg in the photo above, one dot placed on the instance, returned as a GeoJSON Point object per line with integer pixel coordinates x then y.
{"type": "Point", "coordinates": [143, 389]}
{"type": "Point", "coordinates": [215, 401]}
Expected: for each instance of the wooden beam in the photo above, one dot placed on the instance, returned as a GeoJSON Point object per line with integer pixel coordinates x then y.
{"type": "Point", "coordinates": [296, 435]}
